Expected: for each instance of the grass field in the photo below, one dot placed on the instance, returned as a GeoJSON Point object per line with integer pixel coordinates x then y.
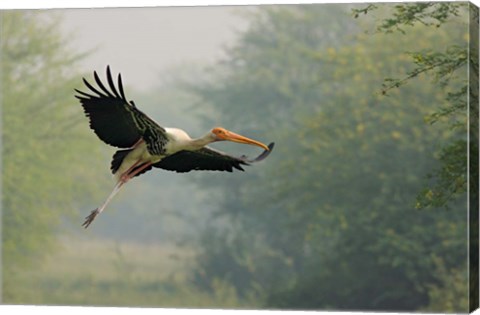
{"type": "Point", "coordinates": [106, 273]}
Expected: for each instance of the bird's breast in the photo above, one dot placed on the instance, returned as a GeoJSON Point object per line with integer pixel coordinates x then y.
{"type": "Point", "coordinates": [178, 140]}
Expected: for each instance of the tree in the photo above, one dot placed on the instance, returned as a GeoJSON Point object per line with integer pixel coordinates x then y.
{"type": "Point", "coordinates": [459, 113]}
{"type": "Point", "coordinates": [45, 166]}
{"type": "Point", "coordinates": [329, 220]}
{"type": "Point", "coordinates": [448, 69]}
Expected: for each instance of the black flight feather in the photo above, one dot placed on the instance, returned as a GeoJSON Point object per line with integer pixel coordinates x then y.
{"type": "Point", "coordinates": [110, 82]}
{"type": "Point", "coordinates": [100, 85]}
{"type": "Point", "coordinates": [120, 87]}
{"type": "Point", "coordinates": [207, 159]}
{"type": "Point", "coordinates": [114, 120]}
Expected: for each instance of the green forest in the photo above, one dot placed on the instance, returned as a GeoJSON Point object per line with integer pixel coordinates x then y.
{"type": "Point", "coordinates": [362, 205]}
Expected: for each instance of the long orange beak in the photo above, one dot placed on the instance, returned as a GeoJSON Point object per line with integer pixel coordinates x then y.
{"type": "Point", "coordinates": [231, 136]}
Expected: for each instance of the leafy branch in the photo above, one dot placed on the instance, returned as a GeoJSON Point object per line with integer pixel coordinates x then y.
{"type": "Point", "coordinates": [449, 180]}
{"type": "Point", "coordinates": [426, 13]}
{"type": "Point", "coordinates": [442, 64]}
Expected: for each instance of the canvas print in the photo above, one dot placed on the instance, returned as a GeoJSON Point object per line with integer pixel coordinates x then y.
{"type": "Point", "coordinates": [291, 157]}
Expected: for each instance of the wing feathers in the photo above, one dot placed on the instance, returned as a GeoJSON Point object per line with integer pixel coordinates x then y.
{"type": "Point", "coordinates": [111, 84]}
{"type": "Point", "coordinates": [92, 88]}
{"type": "Point", "coordinates": [101, 86]}
{"type": "Point", "coordinates": [262, 156]}
{"type": "Point", "coordinates": [83, 94]}
{"type": "Point", "coordinates": [113, 119]}
{"type": "Point", "coordinates": [207, 159]}
{"type": "Point", "coordinates": [120, 87]}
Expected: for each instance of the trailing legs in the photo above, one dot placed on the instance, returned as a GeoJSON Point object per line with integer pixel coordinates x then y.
{"type": "Point", "coordinates": [124, 178]}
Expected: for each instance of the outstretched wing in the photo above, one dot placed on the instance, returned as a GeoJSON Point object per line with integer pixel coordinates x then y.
{"type": "Point", "coordinates": [116, 121]}
{"type": "Point", "coordinates": [207, 159]}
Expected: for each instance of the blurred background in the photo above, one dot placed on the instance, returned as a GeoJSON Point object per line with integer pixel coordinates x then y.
{"type": "Point", "coordinates": [361, 206]}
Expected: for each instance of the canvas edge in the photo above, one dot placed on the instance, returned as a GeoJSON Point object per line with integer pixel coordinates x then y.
{"type": "Point", "coordinates": [473, 158]}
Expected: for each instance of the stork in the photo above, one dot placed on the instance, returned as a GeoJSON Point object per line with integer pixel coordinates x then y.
{"type": "Point", "coordinates": [144, 144]}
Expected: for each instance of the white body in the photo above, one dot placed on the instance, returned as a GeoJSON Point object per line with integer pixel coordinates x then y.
{"type": "Point", "coordinates": [178, 140]}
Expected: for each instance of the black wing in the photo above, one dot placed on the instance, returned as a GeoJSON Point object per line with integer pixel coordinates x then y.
{"type": "Point", "coordinates": [207, 159]}
{"type": "Point", "coordinates": [116, 121]}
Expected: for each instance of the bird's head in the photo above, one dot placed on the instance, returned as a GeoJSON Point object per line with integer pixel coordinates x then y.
{"type": "Point", "coordinates": [222, 134]}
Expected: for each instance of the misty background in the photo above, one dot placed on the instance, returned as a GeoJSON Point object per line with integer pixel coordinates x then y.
{"type": "Point", "coordinates": [361, 205]}
{"type": "Point", "coordinates": [147, 42]}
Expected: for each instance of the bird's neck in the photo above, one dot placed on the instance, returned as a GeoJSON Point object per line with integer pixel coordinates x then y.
{"type": "Point", "coordinates": [198, 143]}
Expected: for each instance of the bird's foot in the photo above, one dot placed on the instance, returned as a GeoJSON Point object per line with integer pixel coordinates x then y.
{"type": "Point", "coordinates": [89, 219]}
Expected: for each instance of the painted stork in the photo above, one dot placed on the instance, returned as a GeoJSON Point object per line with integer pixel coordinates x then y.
{"type": "Point", "coordinates": [144, 144]}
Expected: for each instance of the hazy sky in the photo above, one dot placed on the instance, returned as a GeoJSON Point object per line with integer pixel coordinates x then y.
{"type": "Point", "coordinates": [142, 42]}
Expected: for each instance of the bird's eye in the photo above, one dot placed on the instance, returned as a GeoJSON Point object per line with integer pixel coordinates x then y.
{"type": "Point", "coordinates": [218, 131]}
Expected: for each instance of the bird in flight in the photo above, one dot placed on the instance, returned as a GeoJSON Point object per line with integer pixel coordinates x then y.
{"type": "Point", "coordinates": [144, 144]}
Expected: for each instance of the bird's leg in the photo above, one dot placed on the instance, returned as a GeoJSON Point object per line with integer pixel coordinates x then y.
{"type": "Point", "coordinates": [138, 170]}
{"type": "Point", "coordinates": [123, 179]}
{"type": "Point", "coordinates": [138, 142]}
{"type": "Point", "coordinates": [89, 219]}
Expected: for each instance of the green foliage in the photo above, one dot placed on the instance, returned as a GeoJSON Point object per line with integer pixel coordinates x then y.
{"type": "Point", "coordinates": [450, 180]}
{"type": "Point", "coordinates": [46, 156]}
{"type": "Point", "coordinates": [449, 294]}
{"type": "Point", "coordinates": [410, 14]}
{"type": "Point", "coordinates": [443, 66]}
{"type": "Point", "coordinates": [329, 220]}
{"type": "Point", "coordinates": [449, 70]}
